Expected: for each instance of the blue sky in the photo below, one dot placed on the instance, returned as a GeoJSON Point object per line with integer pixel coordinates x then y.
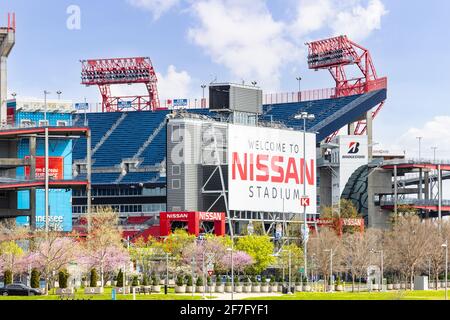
{"type": "Point", "coordinates": [191, 42]}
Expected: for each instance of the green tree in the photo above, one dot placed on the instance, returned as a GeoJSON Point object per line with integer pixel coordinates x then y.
{"type": "Point", "coordinates": [135, 282]}
{"type": "Point", "coordinates": [8, 277]}
{"type": "Point", "coordinates": [145, 280]}
{"type": "Point", "coordinates": [120, 279]}
{"type": "Point", "coordinates": [35, 277]}
{"type": "Point", "coordinates": [63, 276]}
{"type": "Point", "coordinates": [177, 241]}
{"type": "Point", "coordinates": [10, 254]}
{"type": "Point", "coordinates": [260, 248]}
{"type": "Point", "coordinates": [297, 257]}
{"type": "Point", "coordinates": [94, 278]}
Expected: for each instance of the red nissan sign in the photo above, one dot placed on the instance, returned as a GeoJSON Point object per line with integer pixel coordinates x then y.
{"type": "Point", "coordinates": [55, 168]}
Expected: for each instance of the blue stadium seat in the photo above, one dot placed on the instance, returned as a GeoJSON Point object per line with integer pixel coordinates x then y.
{"type": "Point", "coordinates": [137, 127]}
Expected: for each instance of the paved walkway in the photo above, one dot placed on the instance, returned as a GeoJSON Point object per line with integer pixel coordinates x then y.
{"type": "Point", "coordinates": [236, 296]}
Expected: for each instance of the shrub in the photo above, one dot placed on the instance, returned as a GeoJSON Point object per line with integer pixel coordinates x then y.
{"type": "Point", "coordinates": [155, 280]}
{"type": "Point", "coordinates": [199, 282]}
{"type": "Point", "coordinates": [8, 277]}
{"type": "Point", "coordinates": [272, 279]}
{"type": "Point", "coordinates": [135, 281]}
{"type": "Point", "coordinates": [218, 281]}
{"type": "Point", "coordinates": [63, 276]}
{"type": "Point", "coordinates": [189, 281]}
{"type": "Point", "coordinates": [35, 277]}
{"type": "Point", "coordinates": [209, 281]}
{"type": "Point", "coordinates": [264, 281]}
{"type": "Point", "coordinates": [94, 278]}
{"type": "Point", "coordinates": [119, 282]}
{"type": "Point", "coordinates": [145, 280]}
{"type": "Point", "coordinates": [228, 282]}
{"type": "Point", "coordinates": [236, 281]}
{"type": "Point", "coordinates": [247, 282]}
{"type": "Point", "coordinates": [180, 280]}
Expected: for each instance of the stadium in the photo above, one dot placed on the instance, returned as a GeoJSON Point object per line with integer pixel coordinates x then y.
{"type": "Point", "coordinates": [238, 158]}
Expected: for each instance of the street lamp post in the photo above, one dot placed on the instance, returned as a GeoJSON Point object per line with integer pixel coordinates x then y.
{"type": "Point", "coordinates": [167, 274]}
{"type": "Point", "coordinates": [381, 265]}
{"type": "Point", "coordinates": [203, 86]}
{"type": "Point", "coordinates": [305, 116]}
{"type": "Point", "coordinates": [445, 245]}
{"type": "Point", "coordinates": [290, 283]}
{"type": "Point", "coordinates": [434, 153]}
{"type": "Point", "coordinates": [232, 270]}
{"type": "Point", "coordinates": [59, 92]}
{"type": "Point", "coordinates": [420, 147]}
{"type": "Point", "coordinates": [299, 79]}
{"type": "Point", "coordinates": [45, 104]}
{"type": "Point", "coordinates": [331, 268]}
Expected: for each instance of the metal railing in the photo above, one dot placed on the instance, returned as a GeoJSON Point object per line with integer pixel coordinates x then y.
{"type": "Point", "coordinates": [303, 96]}
{"type": "Point", "coordinates": [413, 202]}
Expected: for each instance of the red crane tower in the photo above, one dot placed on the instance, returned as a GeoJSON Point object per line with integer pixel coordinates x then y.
{"type": "Point", "coordinates": [120, 71]}
{"type": "Point", "coordinates": [338, 54]}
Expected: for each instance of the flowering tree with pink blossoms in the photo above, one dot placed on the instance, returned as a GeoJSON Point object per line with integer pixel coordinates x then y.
{"type": "Point", "coordinates": [52, 253]}
{"type": "Point", "coordinates": [103, 248]}
{"type": "Point", "coordinates": [241, 261]}
{"type": "Point", "coordinates": [222, 257]}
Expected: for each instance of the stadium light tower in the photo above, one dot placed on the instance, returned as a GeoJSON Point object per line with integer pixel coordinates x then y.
{"type": "Point", "coordinates": [337, 55]}
{"type": "Point", "coordinates": [305, 116]}
{"type": "Point", "coordinates": [122, 71]}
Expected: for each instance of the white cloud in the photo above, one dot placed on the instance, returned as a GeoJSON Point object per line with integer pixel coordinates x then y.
{"type": "Point", "coordinates": [156, 7]}
{"type": "Point", "coordinates": [434, 133]}
{"type": "Point", "coordinates": [244, 37]}
{"type": "Point", "coordinates": [354, 18]}
{"type": "Point", "coordinates": [359, 22]}
{"type": "Point", "coordinates": [172, 85]}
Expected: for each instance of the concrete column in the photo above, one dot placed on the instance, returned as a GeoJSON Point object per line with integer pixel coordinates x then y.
{"type": "Point", "coordinates": [370, 134]}
{"type": "Point", "coordinates": [351, 129]}
{"type": "Point", "coordinates": [395, 191]}
{"type": "Point", "coordinates": [32, 152]}
{"type": "Point", "coordinates": [420, 184]}
{"type": "Point", "coordinates": [427, 185]}
{"type": "Point", "coordinates": [33, 209]}
{"type": "Point", "coordinates": [3, 89]}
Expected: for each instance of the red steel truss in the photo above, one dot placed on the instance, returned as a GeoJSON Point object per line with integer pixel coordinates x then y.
{"type": "Point", "coordinates": [120, 71]}
{"type": "Point", "coordinates": [335, 55]}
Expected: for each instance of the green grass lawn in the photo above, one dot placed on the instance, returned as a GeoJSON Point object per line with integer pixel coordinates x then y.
{"type": "Point", "coordinates": [390, 295]}
{"type": "Point", "coordinates": [107, 296]}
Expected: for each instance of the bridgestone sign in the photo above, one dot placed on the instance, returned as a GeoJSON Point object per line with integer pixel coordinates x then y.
{"type": "Point", "coordinates": [265, 169]}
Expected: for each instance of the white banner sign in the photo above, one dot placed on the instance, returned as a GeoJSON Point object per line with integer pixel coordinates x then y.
{"type": "Point", "coordinates": [265, 169]}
